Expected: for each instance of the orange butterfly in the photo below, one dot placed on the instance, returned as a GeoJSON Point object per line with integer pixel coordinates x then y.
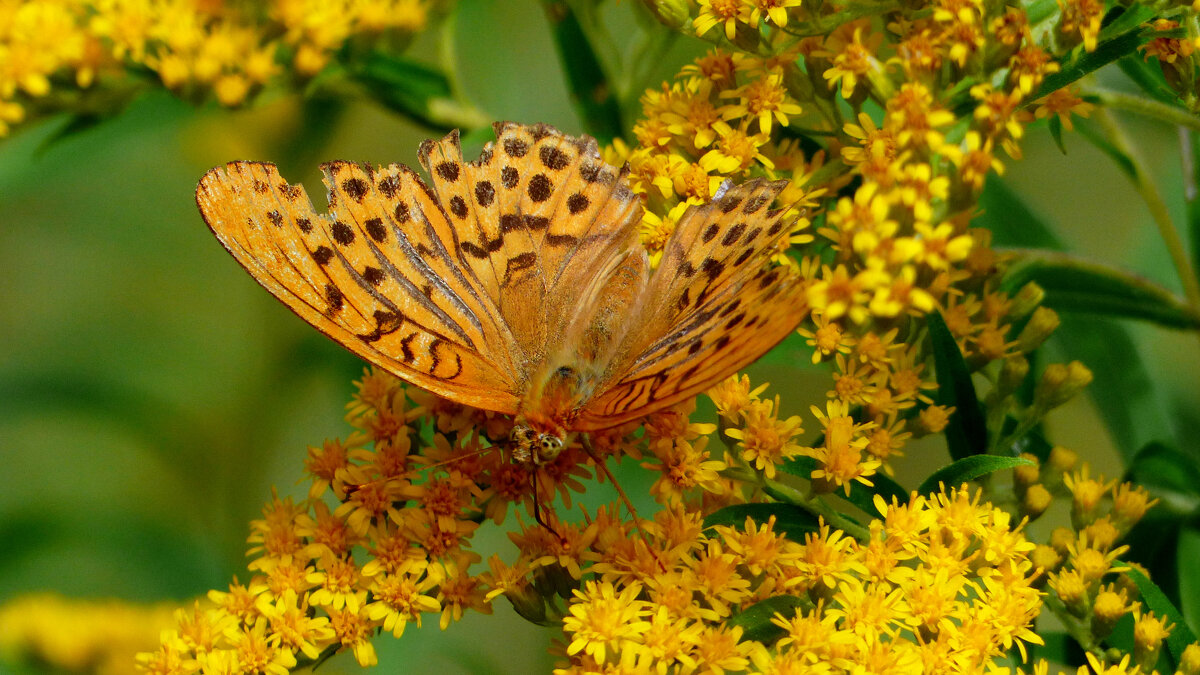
{"type": "Point", "coordinates": [517, 283]}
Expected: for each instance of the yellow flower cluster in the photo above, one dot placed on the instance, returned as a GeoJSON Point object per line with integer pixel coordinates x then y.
{"type": "Point", "coordinates": [942, 581]}
{"type": "Point", "coordinates": [54, 52]}
{"type": "Point", "coordinates": [891, 195]}
{"type": "Point", "coordinates": [1078, 559]}
{"type": "Point", "coordinates": [940, 585]}
{"type": "Point", "coordinates": [93, 636]}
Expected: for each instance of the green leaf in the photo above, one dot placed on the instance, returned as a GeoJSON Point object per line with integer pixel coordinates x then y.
{"type": "Point", "coordinates": [1149, 78]}
{"type": "Point", "coordinates": [1074, 284]}
{"type": "Point", "coordinates": [1170, 475]}
{"type": "Point", "coordinates": [791, 521]}
{"type": "Point", "coordinates": [1157, 601]}
{"type": "Point", "coordinates": [591, 91]}
{"type": "Point", "coordinates": [1107, 51]}
{"type": "Point", "coordinates": [755, 620]}
{"type": "Point", "coordinates": [969, 468]}
{"type": "Point", "coordinates": [408, 87]}
{"type": "Point", "coordinates": [966, 434]}
{"type": "Point", "coordinates": [1189, 582]}
{"type": "Point", "coordinates": [1056, 129]}
{"type": "Point", "coordinates": [862, 496]}
{"type": "Point", "coordinates": [1191, 191]}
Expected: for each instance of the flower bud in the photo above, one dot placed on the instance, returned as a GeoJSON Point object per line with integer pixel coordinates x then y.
{"type": "Point", "coordinates": [1015, 369]}
{"type": "Point", "coordinates": [670, 13]}
{"type": "Point", "coordinates": [1035, 502]}
{"type": "Point", "coordinates": [1149, 633]}
{"type": "Point", "coordinates": [528, 603]}
{"type": "Point", "coordinates": [1026, 300]}
{"type": "Point", "coordinates": [1072, 591]}
{"type": "Point", "coordinates": [1110, 605]}
{"type": "Point", "coordinates": [1060, 383]}
{"type": "Point", "coordinates": [1040, 327]}
{"type": "Point", "coordinates": [1189, 663]}
{"type": "Point", "coordinates": [1025, 475]}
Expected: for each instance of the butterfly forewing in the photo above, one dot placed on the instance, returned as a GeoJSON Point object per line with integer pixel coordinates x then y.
{"type": "Point", "coordinates": [345, 275]}
{"type": "Point", "coordinates": [516, 283]}
{"type": "Point", "coordinates": [540, 217]}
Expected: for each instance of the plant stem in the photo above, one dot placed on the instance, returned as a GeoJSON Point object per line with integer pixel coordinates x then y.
{"type": "Point", "coordinates": [1146, 107]}
{"type": "Point", "coordinates": [1158, 207]}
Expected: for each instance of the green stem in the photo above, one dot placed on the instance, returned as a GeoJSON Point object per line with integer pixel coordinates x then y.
{"type": "Point", "coordinates": [787, 494]}
{"type": "Point", "coordinates": [1146, 107]}
{"type": "Point", "coordinates": [1077, 628]}
{"type": "Point", "coordinates": [1158, 207]}
{"type": "Point", "coordinates": [459, 112]}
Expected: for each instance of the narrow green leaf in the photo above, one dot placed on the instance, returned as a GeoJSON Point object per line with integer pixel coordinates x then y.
{"type": "Point", "coordinates": [1170, 475]}
{"type": "Point", "coordinates": [1149, 78]}
{"type": "Point", "coordinates": [862, 496]}
{"type": "Point", "coordinates": [966, 434]}
{"type": "Point", "coordinates": [408, 87]}
{"type": "Point", "coordinates": [969, 468]}
{"type": "Point", "coordinates": [592, 93]}
{"type": "Point", "coordinates": [1157, 601]}
{"type": "Point", "coordinates": [1056, 132]}
{"type": "Point", "coordinates": [1038, 10]}
{"type": "Point", "coordinates": [1074, 284]}
{"type": "Point", "coordinates": [1189, 582]}
{"type": "Point", "coordinates": [791, 521]}
{"type": "Point", "coordinates": [1191, 191]}
{"type": "Point", "coordinates": [755, 620]}
{"type": "Point", "coordinates": [1107, 51]}
{"type": "Point", "coordinates": [1122, 19]}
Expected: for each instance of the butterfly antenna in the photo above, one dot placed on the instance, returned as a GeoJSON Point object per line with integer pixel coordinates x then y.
{"type": "Point", "coordinates": [352, 487]}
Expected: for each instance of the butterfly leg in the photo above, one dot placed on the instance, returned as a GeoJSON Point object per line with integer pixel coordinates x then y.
{"type": "Point", "coordinates": [537, 510]}
{"type": "Point", "coordinates": [586, 442]}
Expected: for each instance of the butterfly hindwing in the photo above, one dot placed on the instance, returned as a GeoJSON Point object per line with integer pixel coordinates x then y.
{"type": "Point", "coordinates": [713, 306]}
{"type": "Point", "coordinates": [355, 273]}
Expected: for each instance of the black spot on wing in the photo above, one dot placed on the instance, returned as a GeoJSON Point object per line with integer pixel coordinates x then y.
{"type": "Point", "coordinates": [355, 188]}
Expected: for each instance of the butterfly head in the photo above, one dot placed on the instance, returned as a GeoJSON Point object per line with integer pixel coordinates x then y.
{"type": "Point", "coordinates": [534, 443]}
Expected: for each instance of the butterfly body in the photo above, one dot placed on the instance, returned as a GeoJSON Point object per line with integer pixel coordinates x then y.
{"type": "Point", "coordinates": [516, 283]}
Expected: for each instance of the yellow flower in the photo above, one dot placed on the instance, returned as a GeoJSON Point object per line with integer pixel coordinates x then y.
{"type": "Point", "coordinates": [1063, 103]}
{"type": "Point", "coordinates": [656, 230]}
{"type": "Point", "coordinates": [721, 12]}
{"type": "Point", "coordinates": [735, 151]}
{"type": "Point", "coordinates": [734, 394]}
{"type": "Point", "coordinates": [765, 440]}
{"type": "Point", "coordinates": [764, 99]}
{"type": "Point", "coordinates": [840, 460]}
{"type": "Point", "coordinates": [775, 10]}
{"type": "Point", "coordinates": [606, 621]}
{"type": "Point", "coordinates": [402, 597]}
{"type": "Point", "coordinates": [853, 56]}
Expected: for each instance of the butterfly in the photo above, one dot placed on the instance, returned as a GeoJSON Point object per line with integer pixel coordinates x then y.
{"type": "Point", "coordinates": [516, 283]}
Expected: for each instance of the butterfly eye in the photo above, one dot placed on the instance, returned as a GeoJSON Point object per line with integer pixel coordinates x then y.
{"type": "Point", "coordinates": [550, 447]}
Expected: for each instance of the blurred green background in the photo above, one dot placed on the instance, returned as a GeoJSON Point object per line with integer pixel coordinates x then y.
{"type": "Point", "coordinates": [151, 393]}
